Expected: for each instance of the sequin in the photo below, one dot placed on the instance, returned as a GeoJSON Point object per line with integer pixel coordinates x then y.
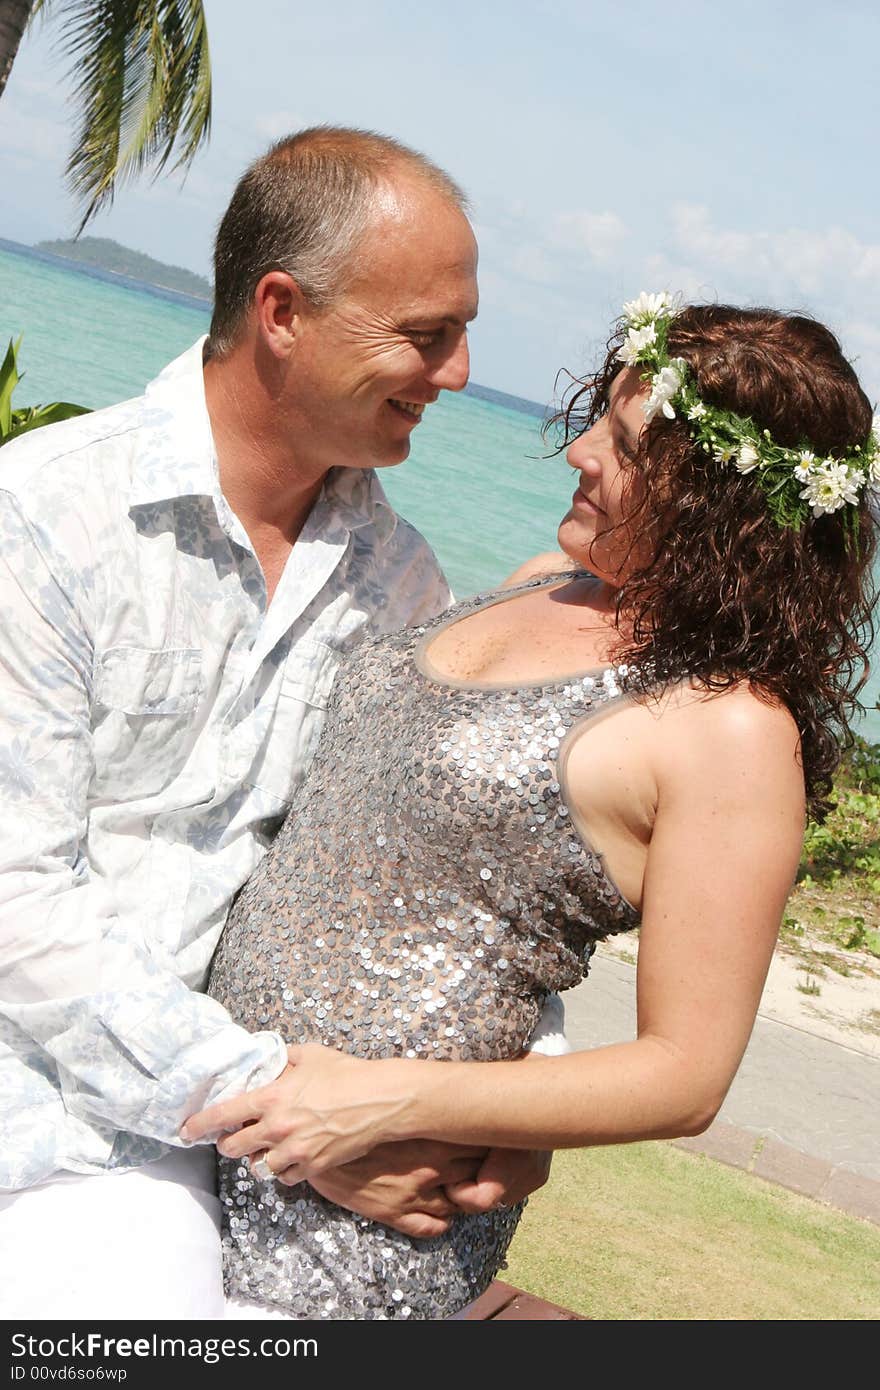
{"type": "Point", "coordinates": [451, 921]}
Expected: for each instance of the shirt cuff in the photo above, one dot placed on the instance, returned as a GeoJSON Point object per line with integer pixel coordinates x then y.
{"type": "Point", "coordinates": [549, 1038]}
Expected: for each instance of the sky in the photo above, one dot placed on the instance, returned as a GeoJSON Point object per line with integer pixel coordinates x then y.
{"type": "Point", "coordinates": [726, 152]}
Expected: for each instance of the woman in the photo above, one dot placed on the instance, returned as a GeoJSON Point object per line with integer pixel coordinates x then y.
{"type": "Point", "coordinates": [631, 742]}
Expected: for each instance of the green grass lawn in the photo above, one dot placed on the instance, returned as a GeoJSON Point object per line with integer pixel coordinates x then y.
{"type": "Point", "coordinates": [648, 1231]}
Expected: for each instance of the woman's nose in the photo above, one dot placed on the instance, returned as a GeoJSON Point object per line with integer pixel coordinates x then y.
{"type": "Point", "coordinates": [581, 453]}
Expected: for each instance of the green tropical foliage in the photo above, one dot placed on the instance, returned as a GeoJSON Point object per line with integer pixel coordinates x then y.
{"type": "Point", "coordinates": [16, 422]}
{"type": "Point", "coordinates": [836, 900]}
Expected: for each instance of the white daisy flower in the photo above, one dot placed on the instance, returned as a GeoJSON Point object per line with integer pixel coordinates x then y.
{"type": "Point", "coordinates": [697, 411]}
{"type": "Point", "coordinates": [804, 465]}
{"type": "Point", "coordinates": [855, 480]}
{"type": "Point", "coordinates": [665, 385]}
{"type": "Point", "coordinates": [747, 458]}
{"type": "Point", "coordinates": [724, 453]}
{"type": "Point", "coordinates": [637, 339]}
{"type": "Point", "coordinates": [641, 311]}
{"type": "Point", "coordinates": [829, 488]}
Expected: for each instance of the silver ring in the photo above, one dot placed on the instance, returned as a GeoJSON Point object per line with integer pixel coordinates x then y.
{"type": "Point", "coordinates": [261, 1169]}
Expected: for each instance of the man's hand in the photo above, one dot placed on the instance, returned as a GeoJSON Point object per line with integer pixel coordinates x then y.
{"type": "Point", "coordinates": [504, 1177]}
{"type": "Point", "coordinates": [405, 1184]}
{"type": "Point", "coordinates": [419, 1185]}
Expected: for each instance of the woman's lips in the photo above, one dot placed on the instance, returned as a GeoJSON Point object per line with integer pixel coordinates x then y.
{"type": "Point", "coordinates": [580, 499]}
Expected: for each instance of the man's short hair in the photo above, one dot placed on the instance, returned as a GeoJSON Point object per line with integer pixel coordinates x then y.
{"type": "Point", "coordinates": [302, 208]}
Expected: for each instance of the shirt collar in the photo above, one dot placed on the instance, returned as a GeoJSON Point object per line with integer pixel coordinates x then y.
{"type": "Point", "coordinates": [355, 497]}
{"type": "Point", "coordinates": [177, 457]}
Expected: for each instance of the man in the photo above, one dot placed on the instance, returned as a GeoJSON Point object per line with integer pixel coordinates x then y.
{"type": "Point", "coordinates": [180, 577]}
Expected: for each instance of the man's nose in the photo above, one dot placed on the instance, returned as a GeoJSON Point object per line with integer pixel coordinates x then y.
{"type": "Point", "coordinates": [452, 373]}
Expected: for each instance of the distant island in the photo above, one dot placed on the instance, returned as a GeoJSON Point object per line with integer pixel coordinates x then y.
{"type": "Point", "coordinates": [120, 260]}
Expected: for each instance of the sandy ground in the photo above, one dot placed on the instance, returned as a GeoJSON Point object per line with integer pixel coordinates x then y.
{"type": "Point", "coordinates": [804, 991]}
{"type": "Point", "coordinates": [844, 1008]}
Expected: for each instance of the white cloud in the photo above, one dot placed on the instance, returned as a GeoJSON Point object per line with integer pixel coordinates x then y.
{"type": "Point", "coordinates": [529, 261]}
{"type": "Point", "coordinates": [862, 342]}
{"type": "Point", "coordinates": [808, 261]}
{"type": "Point", "coordinates": [560, 255]}
{"type": "Point", "coordinates": [28, 135]}
{"type": "Point", "coordinates": [830, 273]}
{"type": "Point", "coordinates": [599, 234]}
{"type": "Point", "coordinates": [274, 125]}
{"type": "Point", "coordinates": [694, 234]}
{"type": "Point", "coordinates": [38, 147]}
{"type": "Point", "coordinates": [660, 271]}
{"type": "Point", "coordinates": [37, 87]}
{"type": "Point", "coordinates": [569, 272]}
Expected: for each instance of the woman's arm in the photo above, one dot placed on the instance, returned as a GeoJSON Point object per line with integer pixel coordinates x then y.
{"type": "Point", "coordinates": [721, 861]}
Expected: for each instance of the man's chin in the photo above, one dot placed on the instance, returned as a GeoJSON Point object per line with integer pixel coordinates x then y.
{"type": "Point", "coordinates": [389, 458]}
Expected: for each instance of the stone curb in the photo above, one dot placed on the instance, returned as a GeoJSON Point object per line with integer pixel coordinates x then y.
{"type": "Point", "coordinates": [788, 1167]}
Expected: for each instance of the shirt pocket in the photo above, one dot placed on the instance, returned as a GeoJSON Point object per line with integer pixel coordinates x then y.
{"type": "Point", "coordinates": [144, 718]}
{"type": "Point", "coordinates": [282, 761]}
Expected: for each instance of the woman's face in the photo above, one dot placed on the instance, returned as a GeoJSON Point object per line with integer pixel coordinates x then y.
{"type": "Point", "coordinates": [594, 531]}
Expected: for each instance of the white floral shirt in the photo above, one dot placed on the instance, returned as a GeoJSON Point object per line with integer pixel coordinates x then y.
{"type": "Point", "coordinates": [156, 718]}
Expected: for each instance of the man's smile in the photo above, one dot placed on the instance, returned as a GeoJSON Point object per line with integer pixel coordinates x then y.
{"type": "Point", "coordinates": [413, 410]}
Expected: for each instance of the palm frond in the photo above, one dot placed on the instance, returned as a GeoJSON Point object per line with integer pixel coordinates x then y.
{"type": "Point", "coordinates": [143, 89]}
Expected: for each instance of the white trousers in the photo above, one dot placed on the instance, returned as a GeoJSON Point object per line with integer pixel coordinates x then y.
{"type": "Point", "coordinates": [102, 1246]}
{"type": "Point", "coordinates": [143, 1244]}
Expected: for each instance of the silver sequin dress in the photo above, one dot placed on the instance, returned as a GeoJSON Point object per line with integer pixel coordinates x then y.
{"type": "Point", "coordinates": [423, 896]}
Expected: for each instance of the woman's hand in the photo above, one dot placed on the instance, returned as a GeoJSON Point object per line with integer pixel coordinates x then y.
{"type": "Point", "coordinates": [325, 1109]}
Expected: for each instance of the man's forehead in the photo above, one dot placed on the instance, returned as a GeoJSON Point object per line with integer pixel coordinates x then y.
{"type": "Point", "coordinates": [402, 197]}
{"type": "Point", "coordinates": [419, 249]}
{"type": "Point", "coordinates": [417, 211]}
{"type": "Point", "coordinates": [456, 307]}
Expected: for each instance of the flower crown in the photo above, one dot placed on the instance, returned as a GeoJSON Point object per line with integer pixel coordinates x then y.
{"type": "Point", "coordinates": [794, 480]}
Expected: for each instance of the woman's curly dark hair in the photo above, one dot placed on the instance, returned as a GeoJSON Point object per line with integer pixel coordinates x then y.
{"type": "Point", "coordinates": [722, 592]}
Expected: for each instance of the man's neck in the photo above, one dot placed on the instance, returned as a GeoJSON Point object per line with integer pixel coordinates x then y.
{"type": "Point", "coordinates": [268, 487]}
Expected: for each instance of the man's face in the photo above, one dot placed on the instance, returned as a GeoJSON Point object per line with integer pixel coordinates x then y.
{"type": "Point", "coordinates": [364, 370]}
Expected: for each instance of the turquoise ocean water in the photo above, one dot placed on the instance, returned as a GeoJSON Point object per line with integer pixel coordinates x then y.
{"type": "Point", "coordinates": [477, 483]}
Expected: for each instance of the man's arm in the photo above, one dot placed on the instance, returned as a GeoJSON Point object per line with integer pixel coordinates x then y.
{"type": "Point", "coordinates": [133, 1047]}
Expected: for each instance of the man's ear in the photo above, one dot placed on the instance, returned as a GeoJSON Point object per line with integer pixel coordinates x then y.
{"type": "Point", "coordinates": [278, 305]}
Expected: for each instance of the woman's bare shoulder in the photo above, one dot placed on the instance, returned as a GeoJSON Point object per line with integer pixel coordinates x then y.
{"type": "Point", "coordinates": [741, 710]}
{"type": "Point", "coordinates": [548, 562]}
{"type": "Point", "coordinates": [740, 733]}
